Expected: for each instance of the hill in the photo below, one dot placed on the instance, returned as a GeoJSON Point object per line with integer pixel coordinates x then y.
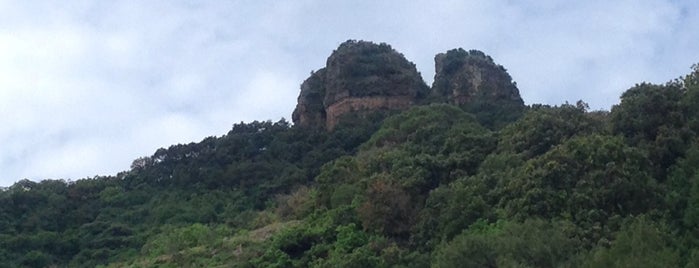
{"type": "Point", "coordinates": [380, 170]}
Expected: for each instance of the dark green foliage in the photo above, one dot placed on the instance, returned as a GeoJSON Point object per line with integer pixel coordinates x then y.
{"type": "Point", "coordinates": [409, 155]}
{"type": "Point", "coordinates": [682, 198]}
{"type": "Point", "coordinates": [450, 209]}
{"type": "Point", "coordinates": [582, 177]}
{"type": "Point", "coordinates": [430, 186]}
{"type": "Point", "coordinates": [495, 114]}
{"type": "Point", "coordinates": [387, 208]}
{"type": "Point", "coordinates": [424, 128]}
{"type": "Point", "coordinates": [654, 117]}
{"type": "Point", "coordinates": [106, 219]}
{"type": "Point", "coordinates": [690, 83]}
{"type": "Point", "coordinates": [542, 127]}
{"type": "Point", "coordinates": [533, 243]}
{"type": "Point", "coordinates": [645, 109]}
{"type": "Point", "coordinates": [640, 243]}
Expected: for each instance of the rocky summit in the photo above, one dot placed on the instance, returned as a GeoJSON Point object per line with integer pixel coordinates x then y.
{"type": "Point", "coordinates": [463, 77]}
{"type": "Point", "coordinates": [362, 76]}
{"type": "Point", "coordinates": [359, 76]}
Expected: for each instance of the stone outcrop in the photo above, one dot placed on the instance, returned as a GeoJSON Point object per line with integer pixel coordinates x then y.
{"type": "Point", "coordinates": [359, 76]}
{"type": "Point", "coordinates": [348, 105]}
{"type": "Point", "coordinates": [464, 77]}
{"type": "Point", "coordinates": [362, 77]}
{"type": "Point", "coordinates": [310, 110]}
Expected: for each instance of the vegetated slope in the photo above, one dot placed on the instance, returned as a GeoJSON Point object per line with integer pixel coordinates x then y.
{"type": "Point", "coordinates": [433, 185]}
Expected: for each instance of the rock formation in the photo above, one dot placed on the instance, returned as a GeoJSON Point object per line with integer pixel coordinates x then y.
{"type": "Point", "coordinates": [310, 110]}
{"type": "Point", "coordinates": [465, 77]}
{"type": "Point", "coordinates": [358, 76]}
{"type": "Point", "coordinates": [363, 77]}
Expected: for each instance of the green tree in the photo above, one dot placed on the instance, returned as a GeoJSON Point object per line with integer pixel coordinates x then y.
{"type": "Point", "coordinates": [388, 209]}
{"type": "Point", "coordinates": [543, 127]}
{"type": "Point", "coordinates": [587, 180]}
{"type": "Point", "coordinates": [641, 242]}
{"type": "Point", "coordinates": [652, 117]}
{"type": "Point", "coordinates": [532, 243]}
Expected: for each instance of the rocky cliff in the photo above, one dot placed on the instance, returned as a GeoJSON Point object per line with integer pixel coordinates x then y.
{"type": "Point", "coordinates": [362, 77]}
{"type": "Point", "coordinates": [464, 77]}
{"type": "Point", "coordinates": [358, 76]}
{"type": "Point", "coordinates": [310, 110]}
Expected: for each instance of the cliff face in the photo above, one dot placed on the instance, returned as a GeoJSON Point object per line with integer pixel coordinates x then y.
{"type": "Point", "coordinates": [362, 77]}
{"type": "Point", "coordinates": [309, 108]}
{"type": "Point", "coordinates": [464, 77]}
{"type": "Point", "coordinates": [359, 76]}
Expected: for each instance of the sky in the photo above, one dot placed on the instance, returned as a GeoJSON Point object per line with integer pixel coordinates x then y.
{"type": "Point", "coordinates": [86, 87]}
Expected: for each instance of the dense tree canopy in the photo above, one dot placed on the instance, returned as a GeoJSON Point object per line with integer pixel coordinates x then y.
{"type": "Point", "coordinates": [434, 185]}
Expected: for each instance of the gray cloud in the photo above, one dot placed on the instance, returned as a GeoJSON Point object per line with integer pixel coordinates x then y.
{"type": "Point", "coordinates": [87, 87]}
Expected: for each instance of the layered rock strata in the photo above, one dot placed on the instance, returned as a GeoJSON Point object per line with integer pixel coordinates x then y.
{"type": "Point", "coordinates": [359, 76]}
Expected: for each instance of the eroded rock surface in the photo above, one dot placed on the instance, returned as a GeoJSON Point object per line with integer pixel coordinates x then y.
{"type": "Point", "coordinates": [463, 77]}
{"type": "Point", "coordinates": [359, 76]}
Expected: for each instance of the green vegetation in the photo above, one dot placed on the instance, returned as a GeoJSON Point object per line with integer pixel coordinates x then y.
{"type": "Point", "coordinates": [472, 80]}
{"type": "Point", "coordinates": [558, 186]}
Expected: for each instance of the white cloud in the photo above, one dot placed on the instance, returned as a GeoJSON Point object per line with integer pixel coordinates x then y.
{"type": "Point", "coordinates": [266, 94]}
{"type": "Point", "coordinates": [88, 86]}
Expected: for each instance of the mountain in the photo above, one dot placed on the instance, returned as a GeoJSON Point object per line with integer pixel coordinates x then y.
{"type": "Point", "coordinates": [364, 77]}
{"type": "Point", "coordinates": [380, 170]}
{"type": "Point", "coordinates": [463, 77]}
{"type": "Point", "coordinates": [473, 81]}
{"type": "Point", "coordinates": [359, 76]}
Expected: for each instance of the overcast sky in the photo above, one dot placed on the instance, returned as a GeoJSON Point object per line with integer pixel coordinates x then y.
{"type": "Point", "coordinates": [88, 86]}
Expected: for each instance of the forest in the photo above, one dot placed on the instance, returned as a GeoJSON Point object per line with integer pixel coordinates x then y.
{"type": "Point", "coordinates": [436, 185]}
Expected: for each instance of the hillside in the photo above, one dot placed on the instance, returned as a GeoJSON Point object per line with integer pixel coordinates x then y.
{"type": "Point", "coordinates": [380, 170]}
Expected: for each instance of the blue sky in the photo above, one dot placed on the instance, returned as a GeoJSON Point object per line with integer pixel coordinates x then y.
{"type": "Point", "coordinates": [88, 86]}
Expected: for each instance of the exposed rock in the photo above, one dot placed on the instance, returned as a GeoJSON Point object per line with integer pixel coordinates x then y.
{"type": "Point", "coordinates": [359, 76]}
{"type": "Point", "coordinates": [374, 103]}
{"type": "Point", "coordinates": [309, 109]}
{"type": "Point", "coordinates": [464, 77]}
